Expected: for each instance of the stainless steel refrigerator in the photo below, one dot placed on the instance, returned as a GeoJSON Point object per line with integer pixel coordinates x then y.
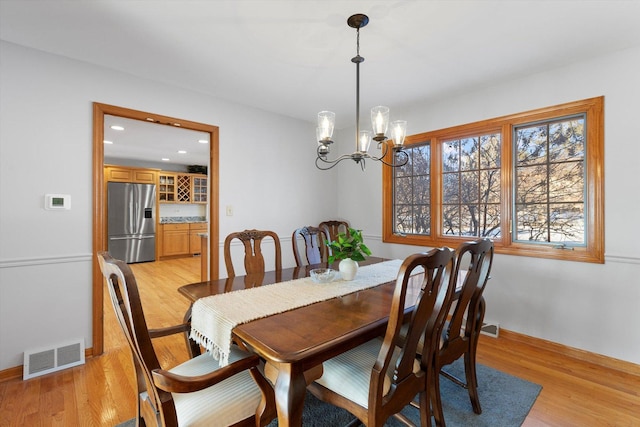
{"type": "Point", "coordinates": [131, 219]}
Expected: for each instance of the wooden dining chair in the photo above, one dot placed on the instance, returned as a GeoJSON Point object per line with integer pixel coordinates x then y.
{"type": "Point", "coordinates": [380, 377]}
{"type": "Point", "coordinates": [253, 258]}
{"type": "Point", "coordinates": [196, 392]}
{"type": "Point", "coordinates": [460, 335]}
{"type": "Point", "coordinates": [332, 228]}
{"type": "Point", "coordinates": [315, 250]}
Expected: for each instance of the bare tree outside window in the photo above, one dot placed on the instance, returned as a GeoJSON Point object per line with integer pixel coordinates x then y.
{"type": "Point", "coordinates": [550, 177]}
{"type": "Point", "coordinates": [471, 186]}
{"type": "Point", "coordinates": [412, 186]}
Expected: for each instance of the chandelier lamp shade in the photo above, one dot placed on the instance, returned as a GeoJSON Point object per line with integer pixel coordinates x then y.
{"type": "Point", "coordinates": [379, 122]}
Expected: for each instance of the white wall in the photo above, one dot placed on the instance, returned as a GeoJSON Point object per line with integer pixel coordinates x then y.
{"type": "Point", "coordinates": [593, 307]}
{"type": "Point", "coordinates": [46, 147]}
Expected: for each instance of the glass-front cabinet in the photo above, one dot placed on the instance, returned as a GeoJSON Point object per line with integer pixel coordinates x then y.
{"type": "Point", "coordinates": [200, 189]}
{"type": "Point", "coordinates": [167, 187]}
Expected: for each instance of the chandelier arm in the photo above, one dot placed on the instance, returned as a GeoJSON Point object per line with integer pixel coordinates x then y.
{"type": "Point", "coordinates": [394, 164]}
{"type": "Point", "coordinates": [332, 163]}
{"type": "Point", "coordinates": [396, 153]}
{"type": "Point", "coordinates": [386, 149]}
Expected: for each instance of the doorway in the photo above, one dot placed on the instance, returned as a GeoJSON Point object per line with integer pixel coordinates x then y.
{"type": "Point", "coordinates": [99, 200]}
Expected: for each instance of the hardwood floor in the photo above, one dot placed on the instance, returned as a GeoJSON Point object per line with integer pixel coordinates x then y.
{"type": "Point", "coordinates": [101, 393]}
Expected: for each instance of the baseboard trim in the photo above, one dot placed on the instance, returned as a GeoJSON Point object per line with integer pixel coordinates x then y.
{"type": "Point", "coordinates": [11, 374]}
{"type": "Point", "coordinates": [583, 355]}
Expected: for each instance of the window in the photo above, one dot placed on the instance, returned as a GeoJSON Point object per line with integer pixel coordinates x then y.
{"type": "Point", "coordinates": [471, 186]}
{"type": "Point", "coordinates": [532, 182]}
{"type": "Point", "coordinates": [412, 196]}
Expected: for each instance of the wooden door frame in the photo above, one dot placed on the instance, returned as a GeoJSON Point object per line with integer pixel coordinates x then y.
{"type": "Point", "coordinates": [99, 200]}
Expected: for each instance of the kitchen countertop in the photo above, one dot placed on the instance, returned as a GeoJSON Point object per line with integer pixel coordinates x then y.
{"type": "Point", "coordinates": [181, 219]}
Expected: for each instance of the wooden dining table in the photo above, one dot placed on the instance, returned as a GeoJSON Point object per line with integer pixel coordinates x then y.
{"type": "Point", "coordinates": [301, 339]}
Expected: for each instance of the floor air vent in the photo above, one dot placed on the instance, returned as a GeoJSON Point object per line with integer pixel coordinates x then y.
{"type": "Point", "coordinates": [46, 360]}
{"type": "Point", "coordinates": [491, 329]}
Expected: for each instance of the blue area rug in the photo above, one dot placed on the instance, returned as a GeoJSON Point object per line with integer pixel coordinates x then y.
{"type": "Point", "coordinates": [506, 400]}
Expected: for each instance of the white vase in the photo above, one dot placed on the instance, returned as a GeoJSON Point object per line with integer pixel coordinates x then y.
{"type": "Point", "coordinates": [348, 268]}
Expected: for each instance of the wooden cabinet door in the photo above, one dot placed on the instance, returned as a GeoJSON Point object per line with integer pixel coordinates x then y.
{"type": "Point", "coordinates": [126, 174]}
{"type": "Point", "coordinates": [144, 176]}
{"type": "Point", "coordinates": [167, 187]}
{"type": "Point", "coordinates": [112, 174]}
{"type": "Point", "coordinates": [175, 239]}
{"type": "Point", "coordinates": [200, 189]}
{"type": "Point", "coordinates": [195, 241]}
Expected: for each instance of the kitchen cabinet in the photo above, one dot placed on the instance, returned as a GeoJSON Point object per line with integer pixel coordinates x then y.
{"type": "Point", "coordinates": [183, 192]}
{"type": "Point", "coordinates": [167, 187]}
{"type": "Point", "coordinates": [181, 239]}
{"type": "Point", "coordinates": [182, 188]}
{"type": "Point", "coordinates": [195, 241]}
{"type": "Point", "coordinates": [175, 239]}
{"type": "Point", "coordinates": [128, 174]}
{"type": "Point", "coordinates": [200, 189]}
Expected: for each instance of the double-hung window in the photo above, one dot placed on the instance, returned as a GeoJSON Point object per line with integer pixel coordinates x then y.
{"type": "Point", "coordinates": [532, 182]}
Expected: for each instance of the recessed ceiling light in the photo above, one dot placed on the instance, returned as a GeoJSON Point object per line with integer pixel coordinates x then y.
{"type": "Point", "coordinates": [107, 142]}
{"type": "Point", "coordinates": [164, 159]}
{"type": "Point", "coordinates": [182, 152]}
{"type": "Point", "coordinates": [203, 141]}
{"type": "Point", "coordinates": [116, 127]}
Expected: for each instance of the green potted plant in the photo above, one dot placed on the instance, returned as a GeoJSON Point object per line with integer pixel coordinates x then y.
{"type": "Point", "coordinates": [349, 248]}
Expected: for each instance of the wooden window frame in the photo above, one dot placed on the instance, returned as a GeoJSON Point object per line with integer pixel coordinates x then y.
{"type": "Point", "coordinates": [593, 251]}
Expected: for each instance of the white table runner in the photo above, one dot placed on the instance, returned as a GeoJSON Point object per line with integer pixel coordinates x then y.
{"type": "Point", "coordinates": [214, 317]}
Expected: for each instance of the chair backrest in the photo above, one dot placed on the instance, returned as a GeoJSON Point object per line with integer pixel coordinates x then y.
{"type": "Point", "coordinates": [125, 299]}
{"type": "Point", "coordinates": [253, 259]}
{"type": "Point", "coordinates": [331, 228]}
{"type": "Point", "coordinates": [474, 260]}
{"type": "Point", "coordinates": [315, 249]}
{"type": "Point", "coordinates": [427, 277]}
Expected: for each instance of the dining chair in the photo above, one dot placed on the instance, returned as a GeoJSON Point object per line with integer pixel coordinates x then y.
{"type": "Point", "coordinates": [379, 378]}
{"type": "Point", "coordinates": [315, 249]}
{"type": "Point", "coordinates": [253, 258]}
{"type": "Point", "coordinates": [196, 392]}
{"type": "Point", "coordinates": [331, 228]}
{"type": "Point", "coordinates": [461, 332]}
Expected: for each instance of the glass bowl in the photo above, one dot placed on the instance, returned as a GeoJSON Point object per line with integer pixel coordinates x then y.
{"type": "Point", "coordinates": [323, 275]}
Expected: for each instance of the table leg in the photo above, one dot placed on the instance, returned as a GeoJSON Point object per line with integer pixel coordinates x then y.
{"type": "Point", "coordinates": [290, 390]}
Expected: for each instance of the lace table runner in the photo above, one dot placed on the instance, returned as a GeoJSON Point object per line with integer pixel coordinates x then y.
{"type": "Point", "coordinates": [214, 317]}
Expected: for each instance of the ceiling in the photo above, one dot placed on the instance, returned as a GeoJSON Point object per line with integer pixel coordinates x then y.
{"type": "Point", "coordinates": [152, 142]}
{"type": "Point", "coordinates": [292, 57]}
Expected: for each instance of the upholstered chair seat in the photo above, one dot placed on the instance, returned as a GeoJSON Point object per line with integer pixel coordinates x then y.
{"type": "Point", "coordinates": [349, 374]}
{"type": "Point", "coordinates": [226, 403]}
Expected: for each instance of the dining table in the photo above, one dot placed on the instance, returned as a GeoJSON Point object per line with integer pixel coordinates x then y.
{"type": "Point", "coordinates": [299, 340]}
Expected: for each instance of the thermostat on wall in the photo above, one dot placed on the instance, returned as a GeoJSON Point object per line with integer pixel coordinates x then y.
{"type": "Point", "coordinates": [57, 201]}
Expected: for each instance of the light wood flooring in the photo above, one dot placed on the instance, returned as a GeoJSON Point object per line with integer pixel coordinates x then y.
{"type": "Point", "coordinates": [101, 392]}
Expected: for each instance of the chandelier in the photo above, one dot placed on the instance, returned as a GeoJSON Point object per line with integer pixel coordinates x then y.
{"type": "Point", "coordinates": [379, 121]}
